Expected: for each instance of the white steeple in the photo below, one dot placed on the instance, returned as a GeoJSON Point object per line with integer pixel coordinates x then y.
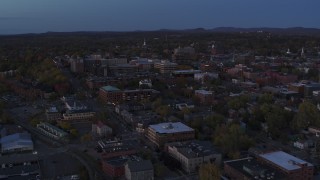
{"type": "Point", "coordinates": [302, 52]}
{"type": "Point", "coordinates": [288, 51]}
{"type": "Point", "coordinates": [144, 42]}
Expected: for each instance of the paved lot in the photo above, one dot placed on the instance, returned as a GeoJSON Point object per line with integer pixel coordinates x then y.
{"type": "Point", "coordinates": [59, 165]}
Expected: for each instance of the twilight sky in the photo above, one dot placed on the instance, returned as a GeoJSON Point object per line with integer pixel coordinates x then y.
{"type": "Point", "coordinates": [25, 16]}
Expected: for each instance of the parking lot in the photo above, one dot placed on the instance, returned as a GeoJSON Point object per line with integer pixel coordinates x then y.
{"type": "Point", "coordinates": [59, 165]}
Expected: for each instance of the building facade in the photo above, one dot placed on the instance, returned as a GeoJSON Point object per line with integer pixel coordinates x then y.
{"type": "Point", "coordinates": [192, 154]}
{"type": "Point", "coordinates": [110, 94]}
{"type": "Point", "coordinates": [100, 129]}
{"type": "Point", "coordinates": [139, 170]}
{"type": "Point", "coordinates": [52, 131]}
{"type": "Point", "coordinates": [165, 67]}
{"type": "Point", "coordinates": [162, 133]}
{"type": "Point", "coordinates": [293, 167]}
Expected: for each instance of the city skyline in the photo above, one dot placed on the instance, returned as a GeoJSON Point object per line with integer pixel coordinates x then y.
{"type": "Point", "coordinates": [35, 16]}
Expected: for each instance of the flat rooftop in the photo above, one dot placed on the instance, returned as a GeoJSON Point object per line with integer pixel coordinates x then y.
{"type": "Point", "coordinates": [167, 128]}
{"type": "Point", "coordinates": [110, 88]}
{"type": "Point", "coordinates": [254, 169]}
{"type": "Point", "coordinates": [284, 160]}
{"type": "Point", "coordinates": [192, 149]}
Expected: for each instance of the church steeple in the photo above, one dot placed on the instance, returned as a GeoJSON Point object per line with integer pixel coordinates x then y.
{"type": "Point", "coordinates": [302, 52]}
{"type": "Point", "coordinates": [144, 42]}
{"type": "Point", "coordinates": [288, 51]}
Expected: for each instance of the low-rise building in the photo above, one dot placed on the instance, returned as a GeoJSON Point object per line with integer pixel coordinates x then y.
{"type": "Point", "coordinates": [74, 105]}
{"type": "Point", "coordinates": [114, 167]}
{"type": "Point", "coordinates": [293, 167]}
{"type": "Point", "coordinates": [162, 133]}
{"type": "Point", "coordinates": [101, 130]}
{"type": "Point", "coordinates": [165, 67]}
{"type": "Point", "coordinates": [117, 148]}
{"type": "Point", "coordinates": [53, 114]}
{"type": "Point", "coordinates": [18, 142]}
{"type": "Point", "coordinates": [185, 73]}
{"type": "Point", "coordinates": [203, 77]}
{"type": "Point", "coordinates": [205, 97]}
{"type": "Point", "coordinates": [52, 131]}
{"type": "Point", "coordinates": [191, 154]}
{"type": "Point", "coordinates": [72, 115]}
{"type": "Point", "coordinates": [19, 166]}
{"type": "Point", "coordinates": [139, 170]}
{"type": "Point", "coordinates": [314, 130]}
{"type": "Point", "coordinates": [250, 168]}
{"type": "Point", "coordinates": [110, 94]}
{"type": "Point", "coordinates": [303, 144]}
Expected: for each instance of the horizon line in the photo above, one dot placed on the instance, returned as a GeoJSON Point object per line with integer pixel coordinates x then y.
{"type": "Point", "coordinates": [160, 29]}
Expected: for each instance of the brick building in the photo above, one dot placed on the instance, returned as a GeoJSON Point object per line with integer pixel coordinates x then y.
{"type": "Point", "coordinates": [110, 94]}
{"type": "Point", "coordinates": [249, 168]}
{"type": "Point", "coordinates": [293, 167]}
{"type": "Point", "coordinates": [165, 67]}
{"type": "Point", "coordinates": [205, 97]}
{"type": "Point", "coordinates": [162, 133]}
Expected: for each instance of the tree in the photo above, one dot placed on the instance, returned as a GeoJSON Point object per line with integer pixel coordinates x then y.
{"type": "Point", "coordinates": [86, 137]}
{"type": "Point", "coordinates": [5, 118]}
{"type": "Point", "coordinates": [83, 173]}
{"type": "Point", "coordinates": [276, 121]}
{"type": "Point", "coordinates": [214, 120]}
{"type": "Point", "coordinates": [209, 172]}
{"type": "Point", "coordinates": [308, 115]}
{"type": "Point", "coordinates": [159, 169]}
{"type": "Point", "coordinates": [231, 139]}
{"type": "Point", "coordinates": [163, 110]}
{"type": "Point", "coordinates": [238, 102]}
{"type": "Point", "coordinates": [265, 98]}
{"type": "Point", "coordinates": [74, 132]}
{"type": "Point", "coordinates": [157, 103]}
{"type": "Point", "coordinates": [34, 122]}
{"type": "Point", "coordinates": [65, 125]}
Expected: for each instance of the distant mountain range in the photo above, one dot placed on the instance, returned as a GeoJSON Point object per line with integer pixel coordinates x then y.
{"type": "Point", "coordinates": [283, 31]}
{"type": "Point", "coordinates": [292, 30]}
{"type": "Point", "coordinates": [280, 31]}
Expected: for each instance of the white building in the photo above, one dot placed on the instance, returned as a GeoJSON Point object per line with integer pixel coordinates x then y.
{"type": "Point", "coordinates": [145, 83]}
{"type": "Point", "coordinates": [74, 105]}
{"type": "Point", "coordinates": [302, 144]}
{"type": "Point", "coordinates": [192, 154]}
{"type": "Point", "coordinates": [100, 129]}
{"type": "Point", "coordinates": [201, 77]}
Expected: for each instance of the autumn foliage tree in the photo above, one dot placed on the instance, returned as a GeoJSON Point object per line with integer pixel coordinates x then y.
{"type": "Point", "coordinates": [209, 172]}
{"type": "Point", "coordinates": [308, 115]}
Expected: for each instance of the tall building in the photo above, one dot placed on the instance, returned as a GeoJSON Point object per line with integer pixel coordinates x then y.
{"type": "Point", "coordinates": [77, 65]}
